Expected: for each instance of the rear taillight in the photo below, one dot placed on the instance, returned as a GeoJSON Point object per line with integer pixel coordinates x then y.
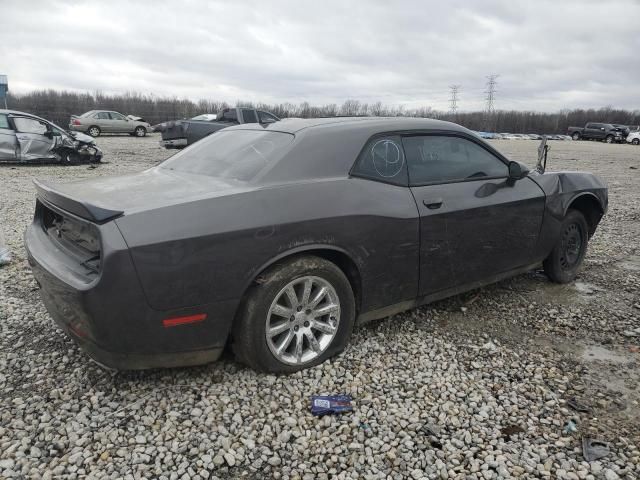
{"type": "Point", "coordinates": [76, 122]}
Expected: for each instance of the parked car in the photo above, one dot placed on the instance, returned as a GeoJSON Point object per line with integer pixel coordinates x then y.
{"type": "Point", "coordinates": [180, 133]}
{"type": "Point", "coordinates": [96, 122]}
{"type": "Point", "coordinates": [276, 238]}
{"type": "Point", "coordinates": [634, 138]}
{"type": "Point", "coordinates": [597, 131]}
{"type": "Point", "coordinates": [26, 138]}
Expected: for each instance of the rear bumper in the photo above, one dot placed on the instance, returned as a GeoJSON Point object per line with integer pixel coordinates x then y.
{"type": "Point", "coordinates": [109, 317]}
{"type": "Point", "coordinates": [174, 143]}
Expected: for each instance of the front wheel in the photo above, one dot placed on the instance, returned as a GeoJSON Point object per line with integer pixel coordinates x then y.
{"type": "Point", "coordinates": [140, 132]}
{"type": "Point", "coordinates": [298, 315]}
{"type": "Point", "coordinates": [576, 136]}
{"type": "Point", "coordinates": [562, 264]}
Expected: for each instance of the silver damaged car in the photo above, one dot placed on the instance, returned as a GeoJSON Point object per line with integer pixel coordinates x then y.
{"type": "Point", "coordinates": [95, 122]}
{"type": "Point", "coordinates": [26, 138]}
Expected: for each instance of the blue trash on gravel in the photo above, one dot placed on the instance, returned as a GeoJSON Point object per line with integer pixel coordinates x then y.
{"type": "Point", "coordinates": [330, 404]}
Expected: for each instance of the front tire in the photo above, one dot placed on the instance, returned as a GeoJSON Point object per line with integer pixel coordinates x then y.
{"type": "Point", "coordinates": [298, 314]}
{"type": "Point", "coordinates": [564, 261]}
{"type": "Point", "coordinates": [140, 132]}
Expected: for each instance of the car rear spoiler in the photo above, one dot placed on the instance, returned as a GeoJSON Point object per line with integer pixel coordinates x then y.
{"type": "Point", "coordinates": [82, 209]}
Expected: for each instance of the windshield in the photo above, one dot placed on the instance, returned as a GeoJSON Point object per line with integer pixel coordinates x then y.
{"type": "Point", "coordinates": [232, 154]}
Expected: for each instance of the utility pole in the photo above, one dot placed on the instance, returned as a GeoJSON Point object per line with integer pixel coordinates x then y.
{"type": "Point", "coordinates": [491, 92]}
{"type": "Point", "coordinates": [453, 101]}
{"type": "Point", "coordinates": [490, 98]}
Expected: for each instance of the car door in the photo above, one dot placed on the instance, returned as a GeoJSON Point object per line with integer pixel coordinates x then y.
{"type": "Point", "coordinates": [597, 131]}
{"type": "Point", "coordinates": [8, 141]}
{"type": "Point", "coordinates": [120, 123]}
{"type": "Point", "coordinates": [103, 120]}
{"type": "Point", "coordinates": [34, 141]}
{"type": "Point", "coordinates": [475, 222]}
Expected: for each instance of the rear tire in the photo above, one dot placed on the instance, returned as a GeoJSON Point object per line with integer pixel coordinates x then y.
{"type": "Point", "coordinates": [140, 132]}
{"type": "Point", "coordinates": [94, 131]}
{"type": "Point", "coordinates": [576, 136]}
{"type": "Point", "coordinates": [564, 261]}
{"type": "Point", "coordinates": [278, 315]}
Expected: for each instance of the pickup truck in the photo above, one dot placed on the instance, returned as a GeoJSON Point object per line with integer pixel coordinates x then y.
{"type": "Point", "coordinates": [180, 133]}
{"type": "Point", "coordinates": [597, 131]}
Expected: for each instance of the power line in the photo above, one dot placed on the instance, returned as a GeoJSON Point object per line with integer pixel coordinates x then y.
{"type": "Point", "coordinates": [491, 92]}
{"type": "Point", "coordinates": [453, 100]}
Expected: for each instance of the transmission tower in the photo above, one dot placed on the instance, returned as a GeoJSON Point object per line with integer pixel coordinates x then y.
{"type": "Point", "coordinates": [491, 92]}
{"type": "Point", "coordinates": [453, 101]}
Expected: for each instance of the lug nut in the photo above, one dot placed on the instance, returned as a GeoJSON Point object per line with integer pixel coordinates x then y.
{"type": "Point", "coordinates": [306, 324]}
{"type": "Point", "coordinates": [299, 308]}
{"type": "Point", "coordinates": [292, 318]}
{"type": "Point", "coordinates": [295, 329]}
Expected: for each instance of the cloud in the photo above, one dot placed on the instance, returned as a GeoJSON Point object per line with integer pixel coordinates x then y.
{"type": "Point", "coordinates": [550, 55]}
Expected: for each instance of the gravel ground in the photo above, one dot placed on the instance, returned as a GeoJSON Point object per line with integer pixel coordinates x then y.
{"type": "Point", "coordinates": [490, 371]}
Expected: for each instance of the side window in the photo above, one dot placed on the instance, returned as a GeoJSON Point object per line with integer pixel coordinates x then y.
{"type": "Point", "coordinates": [439, 159]}
{"type": "Point", "coordinates": [266, 117]}
{"type": "Point", "coordinates": [116, 116]}
{"type": "Point", "coordinates": [249, 116]}
{"type": "Point", "coordinates": [383, 160]}
{"type": "Point", "coordinates": [229, 116]}
{"type": "Point", "coordinates": [29, 125]}
{"type": "Point", "coordinates": [4, 122]}
{"type": "Point", "coordinates": [102, 116]}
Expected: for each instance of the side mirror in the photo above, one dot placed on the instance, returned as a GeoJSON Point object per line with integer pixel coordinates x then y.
{"type": "Point", "coordinates": [48, 134]}
{"type": "Point", "coordinates": [517, 171]}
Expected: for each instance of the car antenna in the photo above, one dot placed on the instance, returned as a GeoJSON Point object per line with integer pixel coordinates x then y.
{"type": "Point", "coordinates": [543, 149]}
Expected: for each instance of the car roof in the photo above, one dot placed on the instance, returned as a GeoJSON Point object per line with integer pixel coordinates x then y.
{"type": "Point", "coordinates": [16, 112]}
{"type": "Point", "coordinates": [372, 124]}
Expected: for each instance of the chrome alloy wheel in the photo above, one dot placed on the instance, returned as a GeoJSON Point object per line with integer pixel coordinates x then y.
{"type": "Point", "coordinates": [303, 320]}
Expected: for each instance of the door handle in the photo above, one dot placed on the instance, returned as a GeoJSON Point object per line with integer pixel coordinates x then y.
{"type": "Point", "coordinates": [432, 203]}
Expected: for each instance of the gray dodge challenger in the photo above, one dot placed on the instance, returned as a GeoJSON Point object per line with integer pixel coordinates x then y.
{"type": "Point", "coordinates": [276, 239]}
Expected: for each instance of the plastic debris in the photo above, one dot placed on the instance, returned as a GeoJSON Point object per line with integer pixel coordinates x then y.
{"type": "Point", "coordinates": [330, 404]}
{"type": "Point", "coordinates": [593, 449]}
{"type": "Point", "coordinates": [577, 406]}
{"type": "Point", "coordinates": [570, 427]}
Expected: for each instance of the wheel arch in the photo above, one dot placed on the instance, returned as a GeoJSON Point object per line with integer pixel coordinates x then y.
{"type": "Point", "coordinates": [336, 255]}
{"type": "Point", "coordinates": [589, 205]}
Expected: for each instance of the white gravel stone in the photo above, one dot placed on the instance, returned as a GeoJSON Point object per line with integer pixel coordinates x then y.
{"type": "Point", "coordinates": [511, 357]}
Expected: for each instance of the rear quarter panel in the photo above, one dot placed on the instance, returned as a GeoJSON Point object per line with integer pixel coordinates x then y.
{"type": "Point", "coordinates": [211, 250]}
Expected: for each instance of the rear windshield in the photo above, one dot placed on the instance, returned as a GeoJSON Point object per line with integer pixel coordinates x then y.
{"type": "Point", "coordinates": [233, 154]}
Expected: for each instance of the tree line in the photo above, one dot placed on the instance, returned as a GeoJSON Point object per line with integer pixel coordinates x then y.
{"type": "Point", "coordinates": [58, 106]}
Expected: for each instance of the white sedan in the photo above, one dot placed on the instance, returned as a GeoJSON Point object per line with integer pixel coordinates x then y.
{"type": "Point", "coordinates": [634, 137]}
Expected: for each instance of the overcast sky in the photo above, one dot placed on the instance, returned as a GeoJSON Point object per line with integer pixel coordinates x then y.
{"type": "Point", "coordinates": [549, 54]}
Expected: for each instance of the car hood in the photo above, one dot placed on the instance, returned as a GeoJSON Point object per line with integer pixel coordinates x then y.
{"type": "Point", "coordinates": [82, 137]}
{"type": "Point", "coordinates": [148, 190]}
